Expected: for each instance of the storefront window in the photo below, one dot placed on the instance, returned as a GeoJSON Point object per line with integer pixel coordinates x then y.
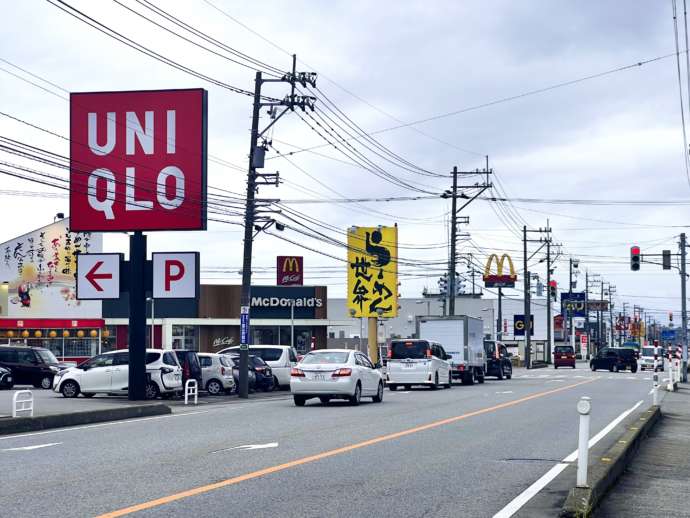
{"type": "Point", "coordinates": [185, 337]}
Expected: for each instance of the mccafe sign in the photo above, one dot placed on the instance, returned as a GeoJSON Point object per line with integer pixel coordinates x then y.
{"type": "Point", "coordinates": [290, 270]}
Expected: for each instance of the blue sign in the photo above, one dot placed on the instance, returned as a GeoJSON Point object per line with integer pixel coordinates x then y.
{"type": "Point", "coordinates": [573, 304]}
{"type": "Point", "coordinates": [244, 326]}
{"type": "Point", "coordinates": [668, 334]}
{"type": "Point", "coordinates": [519, 325]}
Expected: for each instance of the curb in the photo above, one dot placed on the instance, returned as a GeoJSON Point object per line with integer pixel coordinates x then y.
{"type": "Point", "coordinates": [603, 474]}
{"type": "Point", "coordinates": [33, 424]}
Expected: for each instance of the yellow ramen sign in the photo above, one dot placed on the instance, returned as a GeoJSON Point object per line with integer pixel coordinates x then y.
{"type": "Point", "coordinates": [372, 273]}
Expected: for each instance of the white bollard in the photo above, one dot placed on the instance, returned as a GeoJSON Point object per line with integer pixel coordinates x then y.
{"type": "Point", "coordinates": [25, 404]}
{"type": "Point", "coordinates": [191, 388]}
{"type": "Point", "coordinates": [584, 406]}
{"type": "Point", "coordinates": [670, 376]}
{"type": "Point", "coordinates": [655, 389]}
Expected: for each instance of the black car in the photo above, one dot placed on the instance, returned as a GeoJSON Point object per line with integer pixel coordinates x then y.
{"type": "Point", "coordinates": [498, 360]}
{"type": "Point", "coordinates": [29, 365]}
{"type": "Point", "coordinates": [191, 366]}
{"type": "Point", "coordinates": [614, 359]}
{"type": "Point", "coordinates": [262, 372]}
{"type": "Point", "coordinates": [6, 378]}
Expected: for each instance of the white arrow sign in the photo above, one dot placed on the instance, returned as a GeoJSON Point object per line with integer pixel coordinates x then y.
{"type": "Point", "coordinates": [256, 446]}
{"type": "Point", "coordinates": [35, 447]}
{"type": "Point", "coordinates": [98, 276]}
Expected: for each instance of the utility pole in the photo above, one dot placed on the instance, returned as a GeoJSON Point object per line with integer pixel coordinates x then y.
{"type": "Point", "coordinates": [600, 317]}
{"type": "Point", "coordinates": [455, 220]}
{"type": "Point", "coordinates": [527, 311]}
{"type": "Point", "coordinates": [571, 329]}
{"type": "Point", "coordinates": [499, 318]}
{"type": "Point", "coordinates": [453, 242]}
{"type": "Point", "coordinates": [611, 314]}
{"type": "Point", "coordinates": [589, 342]}
{"type": "Point", "coordinates": [684, 313]}
{"type": "Point", "coordinates": [548, 299]}
{"type": "Point", "coordinates": [256, 161]}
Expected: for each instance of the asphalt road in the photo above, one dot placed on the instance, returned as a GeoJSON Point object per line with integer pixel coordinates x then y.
{"type": "Point", "coordinates": [467, 451]}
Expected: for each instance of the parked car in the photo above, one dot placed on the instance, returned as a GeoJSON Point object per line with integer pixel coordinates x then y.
{"type": "Point", "coordinates": [563, 356]}
{"type": "Point", "coordinates": [30, 365]}
{"type": "Point", "coordinates": [281, 359]}
{"type": "Point", "coordinates": [216, 373]}
{"type": "Point", "coordinates": [108, 373]}
{"type": "Point", "coordinates": [263, 375]}
{"type": "Point", "coordinates": [498, 360]}
{"type": "Point", "coordinates": [336, 374]}
{"type": "Point", "coordinates": [191, 368]}
{"type": "Point", "coordinates": [614, 359]}
{"type": "Point", "coordinates": [251, 374]}
{"type": "Point", "coordinates": [417, 362]}
{"type": "Point", "coordinates": [6, 380]}
{"type": "Point", "coordinates": [651, 358]}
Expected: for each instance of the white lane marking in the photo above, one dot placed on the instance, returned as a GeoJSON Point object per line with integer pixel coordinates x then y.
{"type": "Point", "coordinates": [554, 381]}
{"type": "Point", "coordinates": [256, 446]}
{"type": "Point", "coordinates": [650, 392]}
{"type": "Point", "coordinates": [34, 447]}
{"type": "Point", "coordinates": [516, 504]}
{"type": "Point", "coordinates": [505, 392]}
{"type": "Point", "coordinates": [100, 425]}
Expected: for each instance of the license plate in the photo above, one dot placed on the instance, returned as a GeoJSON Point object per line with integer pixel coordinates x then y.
{"type": "Point", "coordinates": [319, 377]}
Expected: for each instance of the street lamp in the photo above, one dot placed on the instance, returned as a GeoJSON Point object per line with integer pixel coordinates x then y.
{"type": "Point", "coordinates": [152, 340]}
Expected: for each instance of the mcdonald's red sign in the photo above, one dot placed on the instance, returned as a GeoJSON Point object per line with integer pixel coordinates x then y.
{"type": "Point", "coordinates": [290, 270]}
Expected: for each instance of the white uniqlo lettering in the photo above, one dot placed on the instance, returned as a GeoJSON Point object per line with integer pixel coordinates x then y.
{"type": "Point", "coordinates": [170, 148]}
{"type": "Point", "coordinates": [176, 201]}
{"type": "Point", "coordinates": [131, 203]}
{"type": "Point", "coordinates": [95, 148]}
{"type": "Point", "coordinates": [106, 205]}
{"type": "Point", "coordinates": [144, 136]}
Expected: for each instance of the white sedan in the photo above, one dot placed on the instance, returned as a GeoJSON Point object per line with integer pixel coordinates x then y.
{"type": "Point", "coordinates": [336, 374]}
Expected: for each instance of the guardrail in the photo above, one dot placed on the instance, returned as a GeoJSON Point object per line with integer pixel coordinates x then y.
{"type": "Point", "coordinates": [21, 403]}
{"type": "Point", "coordinates": [191, 388]}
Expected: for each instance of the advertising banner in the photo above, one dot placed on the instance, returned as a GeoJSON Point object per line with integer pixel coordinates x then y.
{"type": "Point", "coordinates": [138, 160]}
{"type": "Point", "coordinates": [573, 304]}
{"type": "Point", "coordinates": [519, 325]}
{"type": "Point", "coordinates": [40, 267]}
{"type": "Point", "coordinates": [372, 275]}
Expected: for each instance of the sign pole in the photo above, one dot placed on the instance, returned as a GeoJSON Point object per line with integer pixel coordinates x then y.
{"type": "Point", "coordinates": [373, 339]}
{"type": "Point", "coordinates": [684, 313]}
{"type": "Point", "coordinates": [137, 317]}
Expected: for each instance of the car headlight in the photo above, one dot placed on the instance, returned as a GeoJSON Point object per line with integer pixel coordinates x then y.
{"type": "Point", "coordinates": [54, 369]}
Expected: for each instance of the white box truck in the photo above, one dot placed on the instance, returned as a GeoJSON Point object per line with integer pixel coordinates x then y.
{"type": "Point", "coordinates": [463, 339]}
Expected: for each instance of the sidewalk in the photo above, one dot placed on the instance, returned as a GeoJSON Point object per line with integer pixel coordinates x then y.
{"type": "Point", "coordinates": [656, 483]}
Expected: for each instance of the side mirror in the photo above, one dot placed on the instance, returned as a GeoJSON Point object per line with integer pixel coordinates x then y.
{"type": "Point", "coordinates": [378, 365]}
{"type": "Point", "coordinates": [447, 357]}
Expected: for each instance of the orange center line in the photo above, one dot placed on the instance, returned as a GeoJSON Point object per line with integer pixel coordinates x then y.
{"type": "Point", "coordinates": [326, 454]}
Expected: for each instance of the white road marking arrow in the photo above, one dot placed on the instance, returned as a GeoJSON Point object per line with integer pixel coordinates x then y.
{"type": "Point", "coordinates": [35, 447]}
{"type": "Point", "coordinates": [256, 446]}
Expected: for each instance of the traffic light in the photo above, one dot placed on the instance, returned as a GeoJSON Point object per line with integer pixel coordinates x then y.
{"type": "Point", "coordinates": [443, 285]}
{"type": "Point", "coordinates": [670, 316]}
{"type": "Point", "coordinates": [459, 285]}
{"type": "Point", "coordinates": [666, 259]}
{"type": "Point", "coordinates": [635, 258]}
{"type": "Point", "coordinates": [552, 290]}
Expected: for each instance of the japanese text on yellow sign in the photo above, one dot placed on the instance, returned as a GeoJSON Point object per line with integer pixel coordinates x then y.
{"type": "Point", "coordinates": [372, 274]}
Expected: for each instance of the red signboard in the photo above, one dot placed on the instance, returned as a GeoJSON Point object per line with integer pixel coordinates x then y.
{"type": "Point", "coordinates": [290, 270]}
{"type": "Point", "coordinates": [138, 160]}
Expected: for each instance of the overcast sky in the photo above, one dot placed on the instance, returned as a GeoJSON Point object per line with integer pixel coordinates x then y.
{"type": "Point", "coordinates": [615, 137]}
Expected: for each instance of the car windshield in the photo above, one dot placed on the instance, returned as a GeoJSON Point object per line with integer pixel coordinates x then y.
{"type": "Point", "coordinates": [326, 357]}
{"type": "Point", "coordinates": [47, 356]}
{"type": "Point", "coordinates": [401, 350]}
{"type": "Point", "coordinates": [268, 354]}
{"type": "Point", "coordinates": [648, 351]}
{"type": "Point", "coordinates": [563, 349]}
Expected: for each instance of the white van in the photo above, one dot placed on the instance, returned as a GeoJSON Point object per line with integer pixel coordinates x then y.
{"type": "Point", "coordinates": [417, 362]}
{"type": "Point", "coordinates": [280, 358]}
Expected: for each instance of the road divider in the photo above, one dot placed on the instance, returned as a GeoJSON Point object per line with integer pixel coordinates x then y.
{"type": "Point", "coordinates": [32, 424]}
{"type": "Point", "coordinates": [330, 453]}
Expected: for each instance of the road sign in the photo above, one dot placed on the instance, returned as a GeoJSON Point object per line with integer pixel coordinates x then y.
{"type": "Point", "coordinates": [573, 304]}
{"type": "Point", "coordinates": [244, 327]}
{"type": "Point", "coordinates": [138, 160]}
{"type": "Point", "coordinates": [519, 325]}
{"type": "Point", "coordinates": [372, 276]}
{"type": "Point", "coordinates": [290, 270]}
{"type": "Point", "coordinates": [98, 276]}
{"type": "Point", "coordinates": [175, 275]}
{"type": "Point", "coordinates": [668, 334]}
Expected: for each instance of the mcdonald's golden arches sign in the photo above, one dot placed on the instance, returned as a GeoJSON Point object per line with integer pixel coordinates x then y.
{"type": "Point", "coordinates": [499, 279]}
{"type": "Point", "coordinates": [290, 270]}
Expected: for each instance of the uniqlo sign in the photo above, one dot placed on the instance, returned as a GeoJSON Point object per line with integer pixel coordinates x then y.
{"type": "Point", "coordinates": [138, 160]}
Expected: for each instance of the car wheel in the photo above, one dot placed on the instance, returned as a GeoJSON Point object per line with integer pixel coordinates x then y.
{"type": "Point", "coordinates": [615, 368]}
{"type": "Point", "coordinates": [591, 366]}
{"type": "Point", "coordinates": [214, 387]}
{"type": "Point", "coordinates": [450, 379]}
{"type": "Point", "coordinates": [509, 374]}
{"type": "Point", "coordinates": [88, 394]}
{"type": "Point", "coordinates": [500, 372]}
{"type": "Point", "coordinates": [276, 385]}
{"type": "Point", "coordinates": [633, 369]}
{"type": "Point", "coordinates": [357, 396]}
{"type": "Point", "coordinates": [555, 366]}
{"type": "Point", "coordinates": [152, 391]}
{"type": "Point", "coordinates": [46, 382]}
{"type": "Point", "coordinates": [468, 378]}
{"type": "Point", "coordinates": [435, 385]}
{"type": "Point", "coordinates": [299, 400]}
{"type": "Point", "coordinates": [480, 377]}
{"type": "Point", "coordinates": [392, 388]}
{"type": "Point", "coordinates": [379, 394]}
{"type": "Point", "coordinates": [70, 389]}
{"type": "Point", "coordinates": [325, 399]}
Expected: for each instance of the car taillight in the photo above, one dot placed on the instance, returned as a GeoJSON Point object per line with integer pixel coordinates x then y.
{"type": "Point", "coordinates": [222, 371]}
{"type": "Point", "coordinates": [342, 372]}
{"type": "Point", "coordinates": [389, 354]}
{"type": "Point", "coordinates": [259, 369]}
{"type": "Point", "coordinates": [296, 373]}
{"type": "Point", "coordinates": [428, 353]}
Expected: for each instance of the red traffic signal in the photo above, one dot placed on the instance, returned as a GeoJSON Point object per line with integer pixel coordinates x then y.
{"type": "Point", "coordinates": [635, 258]}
